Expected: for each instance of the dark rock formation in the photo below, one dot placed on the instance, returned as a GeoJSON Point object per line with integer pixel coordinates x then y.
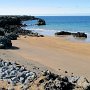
{"type": "Point", "coordinates": [41, 22]}
{"type": "Point", "coordinates": [11, 36]}
{"type": "Point", "coordinates": [10, 28]}
{"type": "Point", "coordinates": [63, 33]}
{"type": "Point", "coordinates": [58, 82]}
{"type": "Point", "coordinates": [79, 34]}
{"type": "Point", "coordinates": [2, 32]}
{"type": "Point", "coordinates": [10, 21]}
{"type": "Point", "coordinates": [5, 43]}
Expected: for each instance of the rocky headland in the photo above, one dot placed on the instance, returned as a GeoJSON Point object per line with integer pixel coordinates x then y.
{"type": "Point", "coordinates": [11, 28]}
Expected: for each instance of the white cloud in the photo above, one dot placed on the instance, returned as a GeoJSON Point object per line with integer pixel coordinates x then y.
{"type": "Point", "coordinates": [44, 11]}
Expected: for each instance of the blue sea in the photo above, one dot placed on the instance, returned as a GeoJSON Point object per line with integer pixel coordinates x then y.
{"type": "Point", "coordinates": [61, 23]}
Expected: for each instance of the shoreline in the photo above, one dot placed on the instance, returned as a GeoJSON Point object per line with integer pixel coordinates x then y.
{"type": "Point", "coordinates": [51, 33]}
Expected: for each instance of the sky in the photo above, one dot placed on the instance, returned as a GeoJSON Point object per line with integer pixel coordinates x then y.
{"type": "Point", "coordinates": [45, 7]}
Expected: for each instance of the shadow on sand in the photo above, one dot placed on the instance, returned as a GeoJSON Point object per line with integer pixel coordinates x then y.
{"type": "Point", "coordinates": [14, 48]}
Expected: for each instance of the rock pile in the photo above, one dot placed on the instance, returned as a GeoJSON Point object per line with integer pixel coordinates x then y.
{"type": "Point", "coordinates": [15, 74]}
{"type": "Point", "coordinates": [58, 82]}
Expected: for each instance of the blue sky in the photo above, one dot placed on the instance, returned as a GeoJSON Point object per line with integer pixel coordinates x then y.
{"type": "Point", "coordinates": [45, 7]}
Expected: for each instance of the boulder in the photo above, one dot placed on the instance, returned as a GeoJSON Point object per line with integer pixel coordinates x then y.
{"type": "Point", "coordinates": [5, 43]}
{"type": "Point", "coordinates": [2, 32]}
{"type": "Point", "coordinates": [2, 46]}
{"type": "Point", "coordinates": [79, 34]}
{"type": "Point", "coordinates": [63, 33]}
{"type": "Point", "coordinates": [12, 36]}
{"type": "Point", "coordinates": [83, 83]}
{"type": "Point", "coordinates": [41, 22]}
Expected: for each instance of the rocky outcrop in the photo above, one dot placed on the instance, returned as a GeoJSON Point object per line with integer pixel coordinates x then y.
{"type": "Point", "coordinates": [58, 82]}
{"type": "Point", "coordinates": [41, 22]}
{"type": "Point", "coordinates": [11, 36]}
{"type": "Point", "coordinates": [78, 34]}
{"type": "Point", "coordinates": [6, 21]}
{"type": "Point", "coordinates": [2, 33]}
{"type": "Point", "coordinates": [10, 29]}
{"type": "Point", "coordinates": [5, 43]}
{"type": "Point", "coordinates": [10, 21]}
{"type": "Point", "coordinates": [63, 33]}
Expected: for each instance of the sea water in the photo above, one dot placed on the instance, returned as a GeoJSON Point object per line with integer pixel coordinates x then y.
{"type": "Point", "coordinates": [61, 23]}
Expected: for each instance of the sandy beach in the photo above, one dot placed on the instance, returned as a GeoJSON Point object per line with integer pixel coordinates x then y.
{"type": "Point", "coordinates": [54, 52]}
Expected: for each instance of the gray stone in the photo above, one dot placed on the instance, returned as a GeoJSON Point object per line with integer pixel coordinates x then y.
{"type": "Point", "coordinates": [27, 81]}
{"type": "Point", "coordinates": [22, 69]}
{"type": "Point", "coordinates": [11, 88]}
{"type": "Point", "coordinates": [83, 83]}
{"type": "Point", "coordinates": [13, 72]}
{"type": "Point", "coordinates": [73, 79]}
{"type": "Point", "coordinates": [25, 87]}
{"type": "Point", "coordinates": [21, 80]}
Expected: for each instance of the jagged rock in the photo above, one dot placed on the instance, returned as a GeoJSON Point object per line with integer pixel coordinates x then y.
{"type": "Point", "coordinates": [41, 22]}
{"type": "Point", "coordinates": [73, 79]}
{"type": "Point", "coordinates": [21, 80]}
{"type": "Point", "coordinates": [10, 21]}
{"type": "Point", "coordinates": [79, 34]}
{"type": "Point", "coordinates": [2, 46]}
{"type": "Point", "coordinates": [2, 32]}
{"type": "Point", "coordinates": [11, 36]}
{"type": "Point", "coordinates": [41, 81]}
{"type": "Point", "coordinates": [63, 33]}
{"type": "Point", "coordinates": [83, 83]}
{"type": "Point", "coordinates": [41, 35]}
{"type": "Point", "coordinates": [5, 43]}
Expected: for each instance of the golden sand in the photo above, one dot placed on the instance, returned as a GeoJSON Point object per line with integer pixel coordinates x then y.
{"type": "Point", "coordinates": [56, 53]}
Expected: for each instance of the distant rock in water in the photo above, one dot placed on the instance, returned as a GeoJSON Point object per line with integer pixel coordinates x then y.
{"type": "Point", "coordinates": [41, 22]}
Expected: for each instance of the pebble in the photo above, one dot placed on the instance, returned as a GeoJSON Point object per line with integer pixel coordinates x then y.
{"type": "Point", "coordinates": [65, 82]}
{"type": "Point", "coordinates": [14, 73]}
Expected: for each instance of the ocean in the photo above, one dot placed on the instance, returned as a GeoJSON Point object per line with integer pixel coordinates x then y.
{"type": "Point", "coordinates": [61, 23]}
